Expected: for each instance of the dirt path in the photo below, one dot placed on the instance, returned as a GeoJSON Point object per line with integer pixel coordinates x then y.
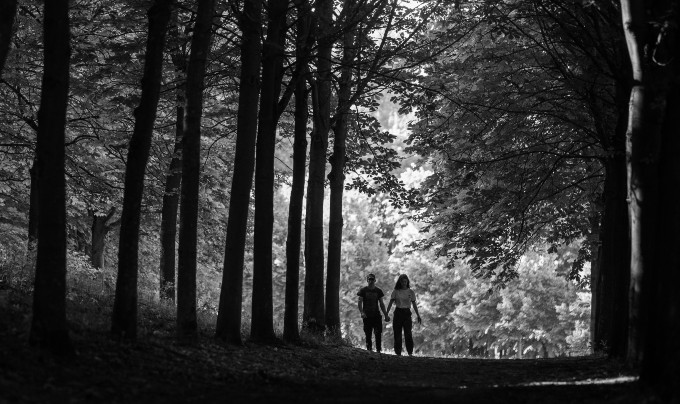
{"type": "Point", "coordinates": [158, 370]}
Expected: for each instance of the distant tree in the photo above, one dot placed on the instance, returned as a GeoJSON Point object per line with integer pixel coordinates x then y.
{"type": "Point", "coordinates": [336, 176]}
{"type": "Point", "coordinates": [291, 331]}
{"type": "Point", "coordinates": [313, 312]}
{"type": "Point", "coordinates": [124, 322]}
{"type": "Point", "coordinates": [228, 327]}
{"type": "Point", "coordinates": [173, 179]}
{"type": "Point", "coordinates": [48, 326]}
{"type": "Point", "coordinates": [187, 325]}
{"type": "Point", "coordinates": [102, 224]}
{"type": "Point", "coordinates": [272, 75]}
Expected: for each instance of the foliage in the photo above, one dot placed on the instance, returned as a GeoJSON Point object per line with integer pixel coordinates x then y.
{"type": "Point", "coordinates": [514, 122]}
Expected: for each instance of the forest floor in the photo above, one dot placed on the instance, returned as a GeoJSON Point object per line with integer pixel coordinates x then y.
{"type": "Point", "coordinates": [157, 369]}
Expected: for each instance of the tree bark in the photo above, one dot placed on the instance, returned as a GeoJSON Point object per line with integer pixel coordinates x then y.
{"type": "Point", "coordinates": [652, 174]}
{"type": "Point", "coordinates": [100, 228]}
{"type": "Point", "coordinates": [228, 327]}
{"type": "Point", "coordinates": [610, 333]}
{"type": "Point", "coordinates": [291, 331]}
{"type": "Point", "coordinates": [187, 325]}
{"type": "Point", "coordinates": [8, 12]}
{"type": "Point", "coordinates": [261, 327]}
{"type": "Point", "coordinates": [124, 322]}
{"type": "Point", "coordinates": [337, 179]}
{"type": "Point", "coordinates": [313, 313]}
{"type": "Point", "coordinates": [48, 326]}
{"type": "Point", "coordinates": [173, 178]}
{"type": "Point", "coordinates": [611, 330]}
{"type": "Point", "coordinates": [32, 246]}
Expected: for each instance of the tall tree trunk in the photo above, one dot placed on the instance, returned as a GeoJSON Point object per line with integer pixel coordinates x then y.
{"type": "Point", "coordinates": [187, 326]}
{"type": "Point", "coordinates": [173, 178]}
{"type": "Point", "coordinates": [168, 232]}
{"type": "Point", "coordinates": [653, 191]}
{"type": "Point", "coordinates": [313, 313]}
{"type": "Point", "coordinates": [124, 322]}
{"type": "Point", "coordinates": [100, 228]}
{"type": "Point", "coordinates": [291, 331]}
{"type": "Point", "coordinates": [48, 326]}
{"type": "Point", "coordinates": [611, 328]}
{"type": "Point", "coordinates": [610, 333]}
{"type": "Point", "coordinates": [653, 54]}
{"type": "Point", "coordinates": [337, 179]}
{"type": "Point", "coordinates": [228, 326]}
{"type": "Point", "coordinates": [262, 328]}
{"type": "Point", "coordinates": [8, 11]}
{"type": "Point", "coordinates": [32, 247]}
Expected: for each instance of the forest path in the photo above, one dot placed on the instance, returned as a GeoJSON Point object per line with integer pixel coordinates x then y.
{"type": "Point", "coordinates": [156, 369]}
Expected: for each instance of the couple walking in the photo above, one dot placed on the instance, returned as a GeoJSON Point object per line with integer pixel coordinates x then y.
{"type": "Point", "coordinates": [371, 297]}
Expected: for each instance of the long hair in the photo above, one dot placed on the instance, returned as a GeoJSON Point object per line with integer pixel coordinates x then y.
{"type": "Point", "coordinates": [398, 284]}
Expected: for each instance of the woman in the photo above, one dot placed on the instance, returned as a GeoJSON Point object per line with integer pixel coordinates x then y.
{"type": "Point", "coordinates": [403, 297]}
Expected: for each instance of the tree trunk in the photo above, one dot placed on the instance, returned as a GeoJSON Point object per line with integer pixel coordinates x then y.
{"type": "Point", "coordinates": [173, 179]}
{"type": "Point", "coordinates": [337, 180]}
{"type": "Point", "coordinates": [610, 333]}
{"type": "Point", "coordinates": [262, 328]}
{"type": "Point", "coordinates": [652, 174]}
{"type": "Point", "coordinates": [124, 322]}
{"type": "Point", "coordinates": [100, 228]}
{"type": "Point", "coordinates": [168, 232]}
{"type": "Point", "coordinates": [187, 326]}
{"type": "Point", "coordinates": [646, 111]}
{"type": "Point", "coordinates": [313, 314]}
{"type": "Point", "coordinates": [32, 247]}
{"type": "Point", "coordinates": [48, 326]}
{"type": "Point", "coordinates": [228, 327]}
{"type": "Point", "coordinates": [8, 11]}
{"type": "Point", "coordinates": [291, 332]}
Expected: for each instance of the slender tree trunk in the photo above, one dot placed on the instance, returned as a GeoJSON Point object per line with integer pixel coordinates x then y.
{"type": "Point", "coordinates": [48, 327]}
{"type": "Point", "coordinates": [173, 178]}
{"type": "Point", "coordinates": [313, 314]}
{"type": "Point", "coordinates": [32, 247]}
{"type": "Point", "coordinates": [228, 326]}
{"type": "Point", "coordinates": [100, 228]}
{"type": "Point", "coordinates": [8, 11]}
{"type": "Point", "coordinates": [187, 326]}
{"type": "Point", "coordinates": [124, 322]}
{"type": "Point", "coordinates": [262, 328]}
{"type": "Point", "coordinates": [291, 331]}
{"type": "Point", "coordinates": [337, 180]}
{"type": "Point", "coordinates": [168, 232]}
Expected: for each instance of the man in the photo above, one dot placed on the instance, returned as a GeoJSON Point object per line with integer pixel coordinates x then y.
{"type": "Point", "coordinates": [369, 298]}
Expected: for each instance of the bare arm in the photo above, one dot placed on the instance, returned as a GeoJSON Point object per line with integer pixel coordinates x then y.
{"type": "Point", "coordinates": [389, 306]}
{"type": "Point", "coordinates": [382, 307]}
{"type": "Point", "coordinates": [360, 304]}
{"type": "Point", "coordinates": [415, 308]}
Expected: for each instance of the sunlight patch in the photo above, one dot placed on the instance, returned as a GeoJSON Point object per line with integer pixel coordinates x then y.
{"type": "Point", "coordinates": [609, 380]}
